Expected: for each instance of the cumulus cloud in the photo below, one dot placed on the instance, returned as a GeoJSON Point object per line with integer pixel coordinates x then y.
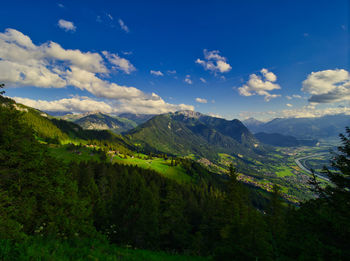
{"type": "Point", "coordinates": [66, 25]}
{"type": "Point", "coordinates": [328, 86]}
{"type": "Point", "coordinates": [156, 73]}
{"type": "Point", "coordinates": [214, 62]}
{"type": "Point", "coordinates": [200, 100]}
{"type": "Point", "coordinates": [151, 106]}
{"type": "Point", "coordinates": [123, 26]}
{"type": "Point", "coordinates": [268, 75]}
{"type": "Point", "coordinates": [48, 65]}
{"type": "Point", "coordinates": [188, 79]}
{"type": "Point", "coordinates": [257, 85]}
{"type": "Point", "coordinates": [119, 63]}
{"type": "Point", "coordinates": [67, 105]}
{"type": "Point", "coordinates": [289, 105]}
{"type": "Point", "coordinates": [80, 105]}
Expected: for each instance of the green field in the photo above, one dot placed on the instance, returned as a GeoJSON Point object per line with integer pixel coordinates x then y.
{"type": "Point", "coordinates": [284, 171]}
{"type": "Point", "coordinates": [159, 165]}
{"type": "Point", "coordinates": [77, 155]}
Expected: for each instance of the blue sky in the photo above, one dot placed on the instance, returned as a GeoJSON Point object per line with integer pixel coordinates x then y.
{"type": "Point", "coordinates": [230, 58]}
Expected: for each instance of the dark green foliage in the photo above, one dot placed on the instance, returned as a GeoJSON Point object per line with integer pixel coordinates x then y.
{"type": "Point", "coordinates": [37, 194]}
{"type": "Point", "coordinates": [324, 223]}
{"type": "Point", "coordinates": [1, 87]}
{"type": "Point", "coordinates": [141, 208]}
{"type": "Point", "coordinates": [38, 248]}
{"type": "Point", "coordinates": [137, 207]}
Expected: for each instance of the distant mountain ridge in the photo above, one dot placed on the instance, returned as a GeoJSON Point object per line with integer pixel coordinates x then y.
{"type": "Point", "coordinates": [137, 118]}
{"type": "Point", "coordinates": [276, 139]}
{"type": "Point", "coordinates": [325, 127]}
{"type": "Point", "coordinates": [252, 123]}
{"type": "Point", "coordinates": [100, 121]}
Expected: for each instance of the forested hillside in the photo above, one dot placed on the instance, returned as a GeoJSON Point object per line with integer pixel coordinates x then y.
{"type": "Point", "coordinates": [184, 133]}
{"type": "Point", "coordinates": [41, 196]}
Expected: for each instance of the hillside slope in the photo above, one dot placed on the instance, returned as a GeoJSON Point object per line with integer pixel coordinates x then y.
{"type": "Point", "coordinates": [100, 121]}
{"type": "Point", "coordinates": [187, 132]}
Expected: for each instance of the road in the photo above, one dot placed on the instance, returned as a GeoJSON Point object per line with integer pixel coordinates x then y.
{"type": "Point", "coordinates": [300, 165]}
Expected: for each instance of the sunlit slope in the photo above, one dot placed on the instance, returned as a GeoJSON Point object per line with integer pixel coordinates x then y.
{"type": "Point", "coordinates": [185, 133]}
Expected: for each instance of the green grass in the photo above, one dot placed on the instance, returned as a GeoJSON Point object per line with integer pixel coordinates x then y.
{"type": "Point", "coordinates": [44, 249]}
{"type": "Point", "coordinates": [284, 171]}
{"type": "Point", "coordinates": [77, 155]}
{"type": "Point", "coordinates": [159, 165]}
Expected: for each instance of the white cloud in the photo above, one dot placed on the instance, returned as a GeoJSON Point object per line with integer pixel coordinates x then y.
{"type": "Point", "coordinates": [66, 25]}
{"type": "Point", "coordinates": [214, 62]}
{"type": "Point", "coordinates": [80, 104]}
{"type": "Point", "coordinates": [202, 80]}
{"type": "Point", "coordinates": [215, 115]}
{"type": "Point", "coordinates": [119, 63]}
{"type": "Point", "coordinates": [156, 73]}
{"type": "Point", "coordinates": [171, 72]}
{"type": "Point", "coordinates": [188, 79]}
{"type": "Point", "coordinates": [200, 100]}
{"type": "Point", "coordinates": [67, 105]}
{"type": "Point", "coordinates": [289, 105]}
{"type": "Point", "coordinates": [328, 86]}
{"type": "Point", "coordinates": [48, 65]}
{"type": "Point", "coordinates": [295, 96]}
{"type": "Point", "coordinates": [270, 76]}
{"type": "Point", "coordinates": [308, 111]}
{"type": "Point", "coordinates": [256, 85]}
{"type": "Point", "coordinates": [151, 106]}
{"type": "Point", "coordinates": [60, 5]}
{"type": "Point", "coordinates": [123, 26]}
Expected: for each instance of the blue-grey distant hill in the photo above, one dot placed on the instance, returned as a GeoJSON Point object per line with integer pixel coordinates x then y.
{"type": "Point", "coordinates": [326, 127]}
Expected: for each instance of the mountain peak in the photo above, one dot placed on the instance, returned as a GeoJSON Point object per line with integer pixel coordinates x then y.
{"type": "Point", "coordinates": [189, 114]}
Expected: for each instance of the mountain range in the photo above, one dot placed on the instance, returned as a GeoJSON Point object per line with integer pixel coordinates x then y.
{"type": "Point", "coordinates": [102, 121]}
{"type": "Point", "coordinates": [189, 132]}
{"type": "Point", "coordinates": [325, 128]}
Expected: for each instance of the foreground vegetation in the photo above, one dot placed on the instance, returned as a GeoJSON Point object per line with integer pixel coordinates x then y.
{"type": "Point", "coordinates": [38, 248]}
{"type": "Point", "coordinates": [71, 204]}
